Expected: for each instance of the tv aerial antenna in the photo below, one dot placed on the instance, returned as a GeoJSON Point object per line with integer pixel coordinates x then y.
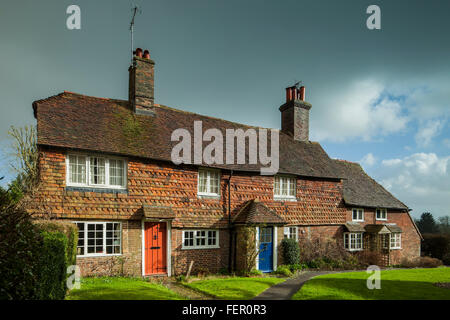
{"type": "Point", "coordinates": [135, 9]}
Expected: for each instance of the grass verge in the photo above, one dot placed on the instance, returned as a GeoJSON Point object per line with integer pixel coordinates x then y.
{"type": "Point", "coordinates": [409, 284]}
{"type": "Point", "coordinates": [234, 288]}
{"type": "Point", "coordinates": [109, 288]}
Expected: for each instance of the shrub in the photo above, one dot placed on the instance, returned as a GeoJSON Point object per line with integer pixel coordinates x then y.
{"type": "Point", "coordinates": [283, 270]}
{"type": "Point", "coordinates": [367, 258]}
{"type": "Point", "coordinates": [202, 272]}
{"type": "Point", "coordinates": [224, 271]}
{"type": "Point", "coordinates": [296, 267]}
{"type": "Point", "coordinates": [251, 273]}
{"type": "Point", "coordinates": [446, 259]}
{"type": "Point", "coordinates": [290, 251]}
{"type": "Point", "coordinates": [421, 262]}
{"type": "Point", "coordinates": [326, 254]}
{"type": "Point", "coordinates": [181, 278]}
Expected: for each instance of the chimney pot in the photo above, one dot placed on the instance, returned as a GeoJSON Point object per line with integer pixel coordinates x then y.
{"type": "Point", "coordinates": [146, 54]}
{"type": "Point", "coordinates": [138, 52]}
{"type": "Point", "coordinates": [302, 93]}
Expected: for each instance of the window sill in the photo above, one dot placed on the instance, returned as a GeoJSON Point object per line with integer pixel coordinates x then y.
{"type": "Point", "coordinates": [208, 196]}
{"type": "Point", "coordinates": [279, 198]}
{"type": "Point", "coordinates": [99, 255]}
{"type": "Point", "coordinates": [357, 220]}
{"type": "Point", "coordinates": [96, 189]}
{"type": "Point", "coordinates": [380, 219]}
{"type": "Point", "coordinates": [196, 248]}
{"type": "Point", "coordinates": [353, 250]}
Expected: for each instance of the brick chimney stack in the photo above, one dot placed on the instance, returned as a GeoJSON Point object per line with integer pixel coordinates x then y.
{"type": "Point", "coordinates": [141, 82]}
{"type": "Point", "coordinates": [295, 114]}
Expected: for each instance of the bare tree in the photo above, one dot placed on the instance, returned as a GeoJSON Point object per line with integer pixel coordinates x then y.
{"type": "Point", "coordinates": [26, 156]}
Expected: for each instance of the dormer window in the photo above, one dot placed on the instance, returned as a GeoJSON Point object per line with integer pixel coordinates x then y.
{"type": "Point", "coordinates": [208, 182]}
{"type": "Point", "coordinates": [94, 171]}
{"type": "Point", "coordinates": [284, 187]}
{"type": "Point", "coordinates": [381, 214]}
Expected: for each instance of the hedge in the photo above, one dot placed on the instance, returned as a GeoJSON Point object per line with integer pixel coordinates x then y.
{"type": "Point", "coordinates": [20, 244]}
{"type": "Point", "coordinates": [34, 256]}
{"type": "Point", "coordinates": [436, 245]}
{"type": "Point", "coordinates": [70, 230]}
{"type": "Point", "coordinates": [52, 266]}
{"type": "Point", "coordinates": [291, 251]}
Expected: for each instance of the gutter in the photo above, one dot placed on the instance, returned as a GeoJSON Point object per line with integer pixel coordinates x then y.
{"type": "Point", "coordinates": [229, 223]}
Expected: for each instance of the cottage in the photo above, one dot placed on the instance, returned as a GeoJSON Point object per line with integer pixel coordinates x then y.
{"type": "Point", "coordinates": [106, 165]}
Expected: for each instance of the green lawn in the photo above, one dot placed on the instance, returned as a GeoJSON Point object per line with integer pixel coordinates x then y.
{"type": "Point", "coordinates": [235, 288]}
{"type": "Point", "coordinates": [395, 285]}
{"type": "Point", "coordinates": [120, 289]}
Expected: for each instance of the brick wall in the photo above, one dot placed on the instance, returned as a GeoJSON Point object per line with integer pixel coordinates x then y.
{"type": "Point", "coordinates": [410, 237]}
{"type": "Point", "coordinates": [204, 259]}
{"type": "Point", "coordinates": [129, 263]}
{"type": "Point", "coordinates": [319, 202]}
{"type": "Point", "coordinates": [159, 183]}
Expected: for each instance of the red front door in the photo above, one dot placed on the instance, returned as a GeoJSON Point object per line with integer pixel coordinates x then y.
{"type": "Point", "coordinates": [155, 248]}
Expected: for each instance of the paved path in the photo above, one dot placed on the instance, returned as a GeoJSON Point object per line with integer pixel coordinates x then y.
{"type": "Point", "coordinates": [286, 289]}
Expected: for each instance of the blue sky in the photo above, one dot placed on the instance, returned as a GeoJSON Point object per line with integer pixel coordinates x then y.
{"type": "Point", "coordinates": [380, 97]}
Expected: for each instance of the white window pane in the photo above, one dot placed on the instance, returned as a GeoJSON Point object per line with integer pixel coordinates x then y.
{"type": "Point", "coordinates": [202, 181]}
{"type": "Point", "coordinates": [292, 187]}
{"type": "Point", "coordinates": [97, 171]}
{"type": "Point", "coordinates": [116, 172]}
{"type": "Point", "coordinates": [276, 187]}
{"type": "Point", "coordinates": [77, 169]}
{"type": "Point", "coordinates": [284, 191]}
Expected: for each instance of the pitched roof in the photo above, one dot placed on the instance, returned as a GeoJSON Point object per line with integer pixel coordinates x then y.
{"type": "Point", "coordinates": [394, 228]}
{"type": "Point", "coordinates": [377, 228]}
{"type": "Point", "coordinates": [361, 190]}
{"type": "Point", "coordinates": [160, 212]}
{"type": "Point", "coordinates": [77, 121]}
{"type": "Point", "coordinates": [255, 212]}
{"type": "Point", "coordinates": [354, 227]}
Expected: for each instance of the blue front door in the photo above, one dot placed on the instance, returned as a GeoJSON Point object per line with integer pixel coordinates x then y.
{"type": "Point", "coordinates": [265, 258]}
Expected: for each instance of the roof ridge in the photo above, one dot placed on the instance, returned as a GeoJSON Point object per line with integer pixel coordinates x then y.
{"type": "Point", "coordinates": [346, 161]}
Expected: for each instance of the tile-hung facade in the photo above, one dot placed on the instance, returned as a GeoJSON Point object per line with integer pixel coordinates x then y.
{"type": "Point", "coordinates": [106, 166]}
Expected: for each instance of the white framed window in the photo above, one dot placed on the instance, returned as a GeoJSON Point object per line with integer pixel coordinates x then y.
{"type": "Point", "coordinates": [99, 238]}
{"type": "Point", "coordinates": [353, 241]}
{"type": "Point", "coordinates": [396, 240]}
{"type": "Point", "coordinates": [208, 182]}
{"type": "Point", "coordinates": [284, 187]}
{"type": "Point", "coordinates": [95, 171]}
{"type": "Point", "coordinates": [381, 214]}
{"type": "Point", "coordinates": [291, 233]}
{"type": "Point", "coordinates": [357, 214]}
{"type": "Point", "coordinates": [200, 239]}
